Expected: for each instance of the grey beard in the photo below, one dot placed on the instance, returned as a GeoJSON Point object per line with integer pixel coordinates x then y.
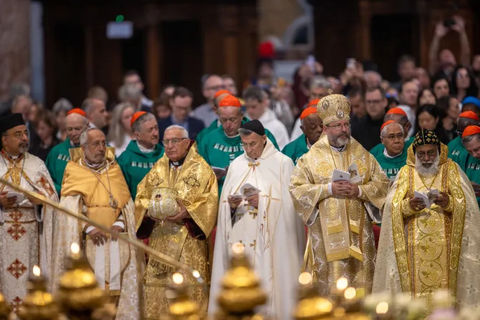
{"type": "Point", "coordinates": [339, 142]}
{"type": "Point", "coordinates": [423, 171]}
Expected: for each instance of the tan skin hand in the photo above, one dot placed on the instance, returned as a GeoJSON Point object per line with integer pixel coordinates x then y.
{"type": "Point", "coordinates": [441, 200]}
{"type": "Point", "coordinates": [182, 214]}
{"type": "Point", "coordinates": [345, 189]}
{"type": "Point", "coordinates": [115, 231]}
{"type": "Point", "coordinates": [234, 202]}
{"type": "Point", "coordinates": [7, 202]}
{"type": "Point", "coordinates": [417, 204]}
{"type": "Point", "coordinates": [98, 237]}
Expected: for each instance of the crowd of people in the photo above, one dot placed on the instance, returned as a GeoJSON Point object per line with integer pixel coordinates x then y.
{"type": "Point", "coordinates": [384, 177]}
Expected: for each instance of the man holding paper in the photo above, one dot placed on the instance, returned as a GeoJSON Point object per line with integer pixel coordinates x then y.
{"type": "Point", "coordinates": [332, 187]}
{"type": "Point", "coordinates": [256, 210]}
{"type": "Point", "coordinates": [430, 227]}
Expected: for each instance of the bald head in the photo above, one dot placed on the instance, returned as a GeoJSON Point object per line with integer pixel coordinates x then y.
{"type": "Point", "coordinates": [75, 124]}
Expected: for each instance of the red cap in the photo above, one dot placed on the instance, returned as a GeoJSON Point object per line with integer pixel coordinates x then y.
{"type": "Point", "coordinates": [135, 116]}
{"type": "Point", "coordinates": [386, 123]}
{"type": "Point", "coordinates": [308, 111]}
{"type": "Point", "coordinates": [220, 92]}
{"type": "Point", "coordinates": [469, 115]}
{"type": "Point", "coordinates": [470, 130]}
{"type": "Point", "coordinates": [397, 110]}
{"type": "Point", "coordinates": [77, 111]}
{"type": "Point", "coordinates": [229, 101]}
{"type": "Point", "coordinates": [313, 103]}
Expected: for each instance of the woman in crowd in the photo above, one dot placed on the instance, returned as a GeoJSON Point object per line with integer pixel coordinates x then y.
{"type": "Point", "coordinates": [450, 108]}
{"type": "Point", "coordinates": [463, 83]}
{"type": "Point", "coordinates": [120, 131]}
{"type": "Point", "coordinates": [60, 109]}
{"type": "Point", "coordinates": [46, 130]}
{"type": "Point", "coordinates": [428, 117]}
{"type": "Point", "coordinates": [426, 96]}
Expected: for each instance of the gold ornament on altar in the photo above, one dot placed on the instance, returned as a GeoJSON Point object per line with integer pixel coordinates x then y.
{"type": "Point", "coordinates": [333, 107]}
{"type": "Point", "coordinates": [163, 203]}
{"type": "Point", "coordinates": [181, 307]}
{"type": "Point", "coordinates": [38, 304]}
{"type": "Point", "coordinates": [79, 293]}
{"type": "Point", "coordinates": [241, 291]}
{"type": "Point", "coordinates": [4, 308]}
{"type": "Point", "coordinates": [311, 305]}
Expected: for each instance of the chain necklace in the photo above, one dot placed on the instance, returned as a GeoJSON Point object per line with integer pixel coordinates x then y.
{"type": "Point", "coordinates": [112, 202]}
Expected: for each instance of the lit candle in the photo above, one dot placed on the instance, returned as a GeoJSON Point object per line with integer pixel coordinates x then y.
{"type": "Point", "coordinates": [36, 271]}
{"type": "Point", "coordinates": [177, 278]}
{"type": "Point", "coordinates": [75, 250]}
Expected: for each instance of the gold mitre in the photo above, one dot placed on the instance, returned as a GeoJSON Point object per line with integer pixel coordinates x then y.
{"type": "Point", "coordinates": [333, 107]}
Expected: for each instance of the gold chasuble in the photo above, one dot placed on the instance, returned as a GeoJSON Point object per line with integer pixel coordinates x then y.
{"type": "Point", "coordinates": [196, 187]}
{"type": "Point", "coordinates": [340, 241]}
{"type": "Point", "coordinates": [434, 248]}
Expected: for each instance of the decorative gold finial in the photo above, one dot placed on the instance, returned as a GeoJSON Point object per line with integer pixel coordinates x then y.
{"type": "Point", "coordinates": [310, 305]}
{"type": "Point", "coordinates": [241, 291]}
{"type": "Point", "coordinates": [182, 307]}
{"type": "Point", "coordinates": [38, 304]}
{"type": "Point", "coordinates": [79, 294]}
{"type": "Point", "coordinates": [4, 308]}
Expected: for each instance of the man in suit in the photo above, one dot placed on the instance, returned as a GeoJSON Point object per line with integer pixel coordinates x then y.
{"type": "Point", "coordinates": [181, 103]}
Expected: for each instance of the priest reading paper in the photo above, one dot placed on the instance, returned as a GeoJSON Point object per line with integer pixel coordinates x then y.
{"type": "Point", "coordinates": [93, 184]}
{"type": "Point", "coordinates": [332, 186]}
{"type": "Point", "coordinates": [430, 228]}
{"type": "Point", "coordinates": [256, 209]}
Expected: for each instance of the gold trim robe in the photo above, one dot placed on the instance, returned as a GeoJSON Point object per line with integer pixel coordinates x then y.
{"type": "Point", "coordinates": [421, 251]}
{"type": "Point", "coordinates": [340, 239]}
{"type": "Point", "coordinates": [197, 189]}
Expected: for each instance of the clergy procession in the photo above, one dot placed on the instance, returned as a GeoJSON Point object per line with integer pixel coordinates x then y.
{"type": "Point", "coordinates": [296, 193]}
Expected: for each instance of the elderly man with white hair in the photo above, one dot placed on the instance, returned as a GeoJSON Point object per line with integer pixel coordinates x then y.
{"type": "Point", "coordinates": [94, 185]}
{"type": "Point", "coordinates": [430, 228]}
{"type": "Point", "coordinates": [394, 154]}
{"type": "Point", "coordinates": [75, 123]}
{"type": "Point", "coordinates": [184, 182]}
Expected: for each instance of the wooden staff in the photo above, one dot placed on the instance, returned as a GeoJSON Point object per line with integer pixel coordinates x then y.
{"type": "Point", "coordinates": [123, 237]}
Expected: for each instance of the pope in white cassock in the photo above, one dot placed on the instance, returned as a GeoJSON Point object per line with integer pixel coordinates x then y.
{"type": "Point", "coordinates": [25, 228]}
{"type": "Point", "coordinates": [256, 209]}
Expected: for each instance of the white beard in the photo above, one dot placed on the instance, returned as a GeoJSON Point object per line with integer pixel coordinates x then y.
{"type": "Point", "coordinates": [424, 171]}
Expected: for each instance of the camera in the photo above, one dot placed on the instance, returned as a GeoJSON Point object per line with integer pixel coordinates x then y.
{"type": "Point", "coordinates": [449, 22]}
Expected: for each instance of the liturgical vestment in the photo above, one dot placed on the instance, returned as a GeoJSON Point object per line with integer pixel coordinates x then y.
{"type": "Point", "coordinates": [273, 235]}
{"type": "Point", "coordinates": [434, 248]}
{"type": "Point", "coordinates": [340, 241]}
{"type": "Point", "coordinates": [196, 187]}
{"type": "Point", "coordinates": [103, 196]}
{"type": "Point", "coordinates": [21, 244]}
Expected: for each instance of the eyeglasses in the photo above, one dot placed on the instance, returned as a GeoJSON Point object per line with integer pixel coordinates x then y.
{"type": "Point", "coordinates": [394, 136]}
{"type": "Point", "coordinates": [430, 154]}
{"type": "Point", "coordinates": [339, 125]}
{"type": "Point", "coordinates": [19, 134]}
{"type": "Point", "coordinates": [172, 141]}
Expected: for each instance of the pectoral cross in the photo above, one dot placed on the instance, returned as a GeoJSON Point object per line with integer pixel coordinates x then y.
{"type": "Point", "coordinates": [253, 212]}
{"type": "Point", "coordinates": [253, 244]}
{"type": "Point", "coordinates": [254, 164]}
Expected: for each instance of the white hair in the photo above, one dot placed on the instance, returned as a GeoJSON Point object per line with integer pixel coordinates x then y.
{"type": "Point", "coordinates": [176, 126]}
{"type": "Point", "coordinates": [383, 133]}
{"type": "Point", "coordinates": [424, 171]}
{"type": "Point", "coordinates": [84, 135]}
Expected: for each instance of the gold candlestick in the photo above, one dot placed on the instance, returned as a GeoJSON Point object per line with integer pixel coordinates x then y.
{"type": "Point", "coordinates": [310, 305]}
{"type": "Point", "coordinates": [241, 291]}
{"type": "Point", "coordinates": [79, 293]}
{"type": "Point", "coordinates": [182, 307]}
{"type": "Point", "coordinates": [38, 303]}
{"type": "Point", "coordinates": [4, 308]}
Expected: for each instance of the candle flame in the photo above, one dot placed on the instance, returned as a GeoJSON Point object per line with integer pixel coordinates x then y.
{"type": "Point", "coordinates": [36, 271]}
{"type": "Point", "coordinates": [382, 308]}
{"type": "Point", "coordinates": [177, 278]}
{"type": "Point", "coordinates": [305, 278]}
{"type": "Point", "coordinates": [350, 293]}
{"type": "Point", "coordinates": [75, 248]}
{"type": "Point", "coordinates": [342, 283]}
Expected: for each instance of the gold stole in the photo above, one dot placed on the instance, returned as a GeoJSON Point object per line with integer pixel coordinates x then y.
{"type": "Point", "coordinates": [428, 251]}
{"type": "Point", "coordinates": [342, 220]}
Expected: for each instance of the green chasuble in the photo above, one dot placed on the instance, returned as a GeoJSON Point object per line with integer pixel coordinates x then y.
{"type": "Point", "coordinates": [214, 125]}
{"type": "Point", "coordinates": [457, 152]}
{"type": "Point", "coordinates": [379, 148]}
{"type": "Point", "coordinates": [57, 161]}
{"type": "Point", "coordinates": [391, 166]}
{"type": "Point", "coordinates": [219, 150]}
{"type": "Point", "coordinates": [297, 148]}
{"type": "Point", "coordinates": [472, 170]}
{"type": "Point", "coordinates": [135, 164]}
